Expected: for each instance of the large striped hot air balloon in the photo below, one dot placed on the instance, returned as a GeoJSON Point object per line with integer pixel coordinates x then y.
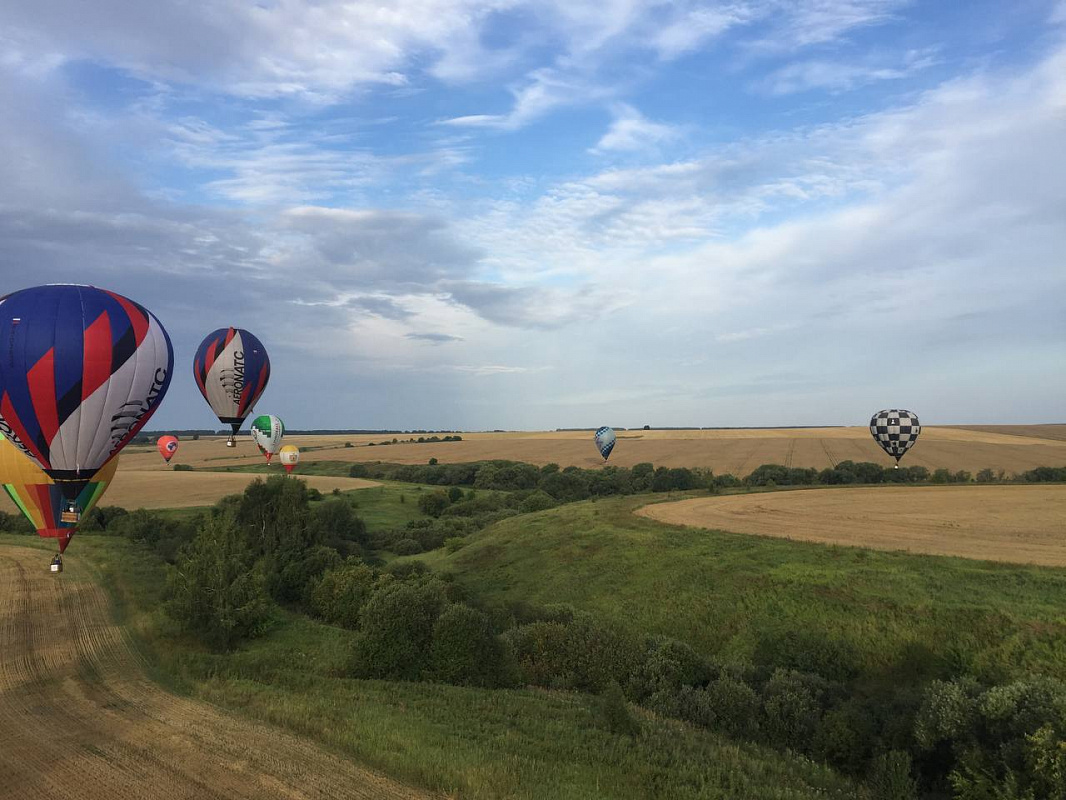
{"type": "Point", "coordinates": [231, 368]}
{"type": "Point", "coordinates": [42, 501]}
{"type": "Point", "coordinates": [81, 371]}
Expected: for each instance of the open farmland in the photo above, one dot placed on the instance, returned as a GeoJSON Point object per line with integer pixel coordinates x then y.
{"type": "Point", "coordinates": [734, 451]}
{"type": "Point", "coordinates": [1021, 524]}
{"type": "Point", "coordinates": [167, 489]}
{"type": "Point", "coordinates": [79, 719]}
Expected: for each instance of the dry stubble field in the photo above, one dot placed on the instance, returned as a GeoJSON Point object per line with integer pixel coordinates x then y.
{"type": "Point", "coordinates": [1020, 524]}
{"type": "Point", "coordinates": [78, 718]}
{"type": "Point", "coordinates": [734, 451]}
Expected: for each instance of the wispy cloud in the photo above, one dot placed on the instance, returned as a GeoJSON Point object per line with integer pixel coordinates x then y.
{"type": "Point", "coordinates": [434, 338]}
{"type": "Point", "coordinates": [631, 131]}
{"type": "Point", "coordinates": [840, 76]}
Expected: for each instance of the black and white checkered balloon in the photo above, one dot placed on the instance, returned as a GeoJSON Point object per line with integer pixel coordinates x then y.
{"type": "Point", "coordinates": [895, 430]}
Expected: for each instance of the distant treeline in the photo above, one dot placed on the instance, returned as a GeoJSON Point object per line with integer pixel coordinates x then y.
{"type": "Point", "coordinates": [574, 483]}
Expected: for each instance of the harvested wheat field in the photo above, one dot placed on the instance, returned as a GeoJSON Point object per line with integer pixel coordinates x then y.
{"type": "Point", "coordinates": [188, 489]}
{"type": "Point", "coordinates": [734, 451]}
{"type": "Point", "coordinates": [78, 719]}
{"type": "Point", "coordinates": [1021, 524]}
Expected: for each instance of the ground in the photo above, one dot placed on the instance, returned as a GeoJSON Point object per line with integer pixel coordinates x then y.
{"type": "Point", "coordinates": [1018, 524]}
{"type": "Point", "coordinates": [739, 452]}
{"type": "Point", "coordinates": [78, 717]}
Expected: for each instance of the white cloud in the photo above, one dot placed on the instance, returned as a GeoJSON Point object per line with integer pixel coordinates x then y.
{"type": "Point", "coordinates": [839, 76]}
{"type": "Point", "coordinates": [631, 131]}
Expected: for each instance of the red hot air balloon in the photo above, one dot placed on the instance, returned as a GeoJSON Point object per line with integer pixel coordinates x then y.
{"type": "Point", "coordinates": [83, 369]}
{"type": "Point", "coordinates": [167, 446]}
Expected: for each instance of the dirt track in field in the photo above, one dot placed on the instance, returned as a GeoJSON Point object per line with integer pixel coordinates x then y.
{"type": "Point", "coordinates": [1019, 524]}
{"type": "Point", "coordinates": [1008, 448]}
{"type": "Point", "coordinates": [78, 719]}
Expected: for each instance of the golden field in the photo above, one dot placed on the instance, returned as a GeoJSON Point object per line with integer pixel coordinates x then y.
{"type": "Point", "coordinates": [734, 451]}
{"type": "Point", "coordinates": [1020, 524]}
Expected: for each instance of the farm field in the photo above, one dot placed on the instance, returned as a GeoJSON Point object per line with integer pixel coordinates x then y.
{"type": "Point", "coordinates": [739, 452]}
{"type": "Point", "coordinates": [168, 489]}
{"type": "Point", "coordinates": [78, 718]}
{"type": "Point", "coordinates": [1019, 524]}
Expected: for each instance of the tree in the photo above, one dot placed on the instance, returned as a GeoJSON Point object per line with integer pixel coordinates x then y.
{"type": "Point", "coordinates": [465, 651]}
{"type": "Point", "coordinates": [433, 503]}
{"type": "Point", "coordinates": [214, 591]}
{"type": "Point", "coordinates": [396, 630]}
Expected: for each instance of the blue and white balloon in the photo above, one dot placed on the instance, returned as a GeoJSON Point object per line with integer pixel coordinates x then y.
{"type": "Point", "coordinates": [605, 439]}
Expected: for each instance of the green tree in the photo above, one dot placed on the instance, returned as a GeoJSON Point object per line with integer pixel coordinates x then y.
{"type": "Point", "coordinates": [465, 650]}
{"type": "Point", "coordinates": [396, 630]}
{"type": "Point", "coordinates": [214, 591]}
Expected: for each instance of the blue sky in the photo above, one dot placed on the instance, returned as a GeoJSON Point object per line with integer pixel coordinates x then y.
{"type": "Point", "coordinates": [546, 214]}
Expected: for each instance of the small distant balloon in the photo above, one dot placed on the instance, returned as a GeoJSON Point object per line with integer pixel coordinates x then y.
{"type": "Point", "coordinates": [267, 431]}
{"type": "Point", "coordinates": [895, 430]}
{"type": "Point", "coordinates": [167, 446]}
{"type": "Point", "coordinates": [605, 439]}
{"type": "Point", "coordinates": [231, 368]}
{"type": "Point", "coordinates": [290, 457]}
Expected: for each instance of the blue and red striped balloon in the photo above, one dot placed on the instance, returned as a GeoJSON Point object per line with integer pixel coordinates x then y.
{"type": "Point", "coordinates": [231, 368]}
{"type": "Point", "coordinates": [82, 370]}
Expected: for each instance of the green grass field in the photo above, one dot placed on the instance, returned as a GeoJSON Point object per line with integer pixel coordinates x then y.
{"type": "Point", "coordinates": [897, 615]}
{"type": "Point", "coordinates": [470, 743]}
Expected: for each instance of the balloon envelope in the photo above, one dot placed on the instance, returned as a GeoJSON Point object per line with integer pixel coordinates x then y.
{"type": "Point", "coordinates": [605, 439]}
{"type": "Point", "coordinates": [895, 430]}
{"type": "Point", "coordinates": [290, 457]}
{"type": "Point", "coordinates": [42, 501]}
{"type": "Point", "coordinates": [167, 446]}
{"type": "Point", "coordinates": [231, 368]}
{"type": "Point", "coordinates": [267, 431]}
{"type": "Point", "coordinates": [83, 370]}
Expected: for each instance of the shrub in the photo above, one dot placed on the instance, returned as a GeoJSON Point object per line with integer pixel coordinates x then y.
{"type": "Point", "coordinates": [396, 630]}
{"type": "Point", "coordinates": [214, 591]}
{"type": "Point", "coordinates": [729, 705]}
{"type": "Point", "coordinates": [358, 470]}
{"type": "Point", "coordinates": [407, 547]}
{"type": "Point", "coordinates": [455, 494]}
{"type": "Point", "coordinates": [667, 665]}
{"type": "Point", "coordinates": [537, 501]}
{"type": "Point", "coordinates": [890, 777]}
{"type": "Point", "coordinates": [433, 503]}
{"type": "Point", "coordinates": [433, 462]}
{"type": "Point", "coordinates": [339, 595]}
{"type": "Point", "coordinates": [791, 711]}
{"type": "Point", "coordinates": [465, 651]}
{"type": "Point", "coordinates": [335, 524]}
{"type": "Point", "coordinates": [16, 523]}
{"type": "Point", "coordinates": [807, 650]}
{"type": "Point", "coordinates": [296, 578]}
{"type": "Point", "coordinates": [614, 713]}
{"type": "Point", "coordinates": [182, 467]}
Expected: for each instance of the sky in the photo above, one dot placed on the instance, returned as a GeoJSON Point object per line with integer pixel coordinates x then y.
{"type": "Point", "coordinates": [530, 214]}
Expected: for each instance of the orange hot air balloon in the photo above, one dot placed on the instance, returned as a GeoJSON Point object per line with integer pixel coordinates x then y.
{"type": "Point", "coordinates": [168, 446]}
{"type": "Point", "coordinates": [290, 457]}
{"type": "Point", "coordinates": [43, 502]}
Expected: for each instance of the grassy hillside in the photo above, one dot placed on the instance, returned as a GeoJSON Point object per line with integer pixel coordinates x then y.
{"type": "Point", "coordinates": [751, 598]}
{"type": "Point", "coordinates": [469, 743]}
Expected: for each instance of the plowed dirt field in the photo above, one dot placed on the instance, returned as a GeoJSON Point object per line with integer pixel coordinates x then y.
{"type": "Point", "coordinates": [78, 718]}
{"type": "Point", "coordinates": [1020, 524]}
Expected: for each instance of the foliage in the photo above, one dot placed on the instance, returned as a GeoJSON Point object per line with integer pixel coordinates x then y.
{"type": "Point", "coordinates": [465, 650]}
{"type": "Point", "coordinates": [214, 591]}
{"type": "Point", "coordinates": [396, 628]}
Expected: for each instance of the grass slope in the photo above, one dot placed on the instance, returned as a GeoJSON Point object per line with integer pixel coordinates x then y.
{"type": "Point", "coordinates": [469, 743]}
{"type": "Point", "coordinates": [898, 615]}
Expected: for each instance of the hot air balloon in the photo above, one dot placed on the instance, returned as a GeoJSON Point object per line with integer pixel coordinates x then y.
{"type": "Point", "coordinates": [83, 369]}
{"type": "Point", "coordinates": [267, 431]}
{"type": "Point", "coordinates": [290, 457]}
{"type": "Point", "coordinates": [42, 501]}
{"type": "Point", "coordinates": [605, 441]}
{"type": "Point", "coordinates": [895, 431]}
{"type": "Point", "coordinates": [167, 446]}
{"type": "Point", "coordinates": [231, 368]}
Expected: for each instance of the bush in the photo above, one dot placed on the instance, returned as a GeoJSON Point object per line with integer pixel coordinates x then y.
{"type": "Point", "coordinates": [339, 595]}
{"type": "Point", "coordinates": [214, 591]}
{"type": "Point", "coordinates": [667, 665]}
{"type": "Point", "coordinates": [614, 713]}
{"type": "Point", "coordinates": [433, 462]}
{"type": "Point", "coordinates": [728, 705]}
{"type": "Point", "coordinates": [537, 501]}
{"type": "Point", "coordinates": [407, 547]}
{"type": "Point", "coordinates": [296, 579]}
{"type": "Point", "coordinates": [791, 712]}
{"type": "Point", "coordinates": [182, 467]}
{"type": "Point", "coordinates": [433, 503]}
{"type": "Point", "coordinates": [334, 523]}
{"type": "Point", "coordinates": [396, 630]}
{"type": "Point", "coordinates": [890, 777]}
{"type": "Point", "coordinates": [465, 651]}
{"type": "Point", "coordinates": [16, 523]}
